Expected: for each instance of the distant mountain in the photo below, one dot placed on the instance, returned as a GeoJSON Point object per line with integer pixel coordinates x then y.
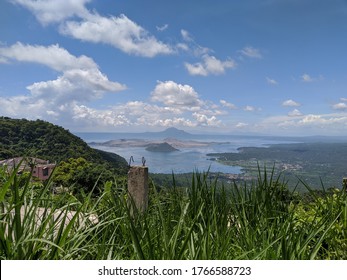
{"type": "Point", "coordinates": [174, 132]}
{"type": "Point", "coordinates": [170, 132]}
{"type": "Point", "coordinates": [21, 137]}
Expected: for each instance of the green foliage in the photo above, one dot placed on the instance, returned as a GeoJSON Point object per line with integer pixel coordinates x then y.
{"type": "Point", "coordinates": [79, 175]}
{"type": "Point", "coordinates": [202, 221]}
{"type": "Point", "coordinates": [47, 141]}
{"type": "Point", "coordinates": [328, 211]}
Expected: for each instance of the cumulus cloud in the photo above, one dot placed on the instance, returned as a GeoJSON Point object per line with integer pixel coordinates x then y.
{"type": "Point", "coordinates": [204, 120]}
{"type": "Point", "coordinates": [141, 114]}
{"type": "Point", "coordinates": [306, 124]}
{"type": "Point", "coordinates": [295, 113]}
{"type": "Point", "coordinates": [51, 56]}
{"type": "Point", "coordinates": [120, 32]}
{"type": "Point", "coordinates": [53, 11]}
{"type": "Point", "coordinates": [341, 105]}
{"type": "Point", "coordinates": [75, 84]}
{"type": "Point", "coordinates": [227, 104]}
{"type": "Point", "coordinates": [171, 104]}
{"type": "Point", "coordinates": [322, 120]}
{"type": "Point", "coordinates": [210, 65]}
{"type": "Point", "coordinates": [77, 21]}
{"type": "Point", "coordinates": [251, 52]}
{"type": "Point", "coordinates": [80, 80]}
{"type": "Point", "coordinates": [180, 96]}
{"type": "Point", "coordinates": [291, 103]}
{"type": "Point", "coordinates": [99, 117]}
{"type": "Point", "coordinates": [177, 122]}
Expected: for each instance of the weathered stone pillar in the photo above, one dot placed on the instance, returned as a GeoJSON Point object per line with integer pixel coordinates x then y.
{"type": "Point", "coordinates": [138, 188]}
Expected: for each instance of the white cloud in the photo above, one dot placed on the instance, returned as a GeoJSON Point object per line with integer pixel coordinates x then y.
{"type": "Point", "coordinates": [249, 108]}
{"type": "Point", "coordinates": [271, 81]}
{"type": "Point", "coordinates": [227, 104]}
{"type": "Point", "coordinates": [51, 56]}
{"type": "Point", "coordinates": [295, 113]}
{"type": "Point", "coordinates": [120, 32]}
{"type": "Point", "coordinates": [340, 106]}
{"type": "Point", "coordinates": [75, 84]}
{"type": "Point", "coordinates": [53, 11]}
{"type": "Point", "coordinates": [139, 108]}
{"type": "Point", "coordinates": [322, 120]}
{"type": "Point", "coordinates": [177, 122]}
{"type": "Point", "coordinates": [241, 125]}
{"type": "Point", "coordinates": [80, 81]}
{"type": "Point", "coordinates": [334, 124]}
{"type": "Point", "coordinates": [186, 36]}
{"type": "Point", "coordinates": [189, 45]}
{"type": "Point", "coordinates": [306, 78]}
{"type": "Point", "coordinates": [99, 117]}
{"type": "Point", "coordinates": [196, 69]}
{"type": "Point", "coordinates": [210, 65]}
{"type": "Point", "coordinates": [140, 114]}
{"type": "Point", "coordinates": [204, 120]}
{"type": "Point", "coordinates": [172, 94]}
{"type": "Point", "coordinates": [182, 46]}
{"type": "Point", "coordinates": [251, 52]}
{"type": "Point", "coordinates": [162, 28]}
{"type": "Point", "coordinates": [291, 103]}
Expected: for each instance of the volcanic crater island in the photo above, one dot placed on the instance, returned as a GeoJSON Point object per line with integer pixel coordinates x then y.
{"type": "Point", "coordinates": [165, 145]}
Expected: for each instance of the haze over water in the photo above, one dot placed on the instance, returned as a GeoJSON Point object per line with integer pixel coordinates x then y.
{"type": "Point", "coordinates": [186, 159]}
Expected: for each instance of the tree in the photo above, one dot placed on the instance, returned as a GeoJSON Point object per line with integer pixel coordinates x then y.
{"type": "Point", "coordinates": [81, 175]}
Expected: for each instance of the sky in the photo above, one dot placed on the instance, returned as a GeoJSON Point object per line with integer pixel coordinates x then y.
{"type": "Point", "coordinates": [274, 67]}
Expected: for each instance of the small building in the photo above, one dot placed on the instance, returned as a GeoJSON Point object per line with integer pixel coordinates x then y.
{"type": "Point", "coordinates": [40, 168]}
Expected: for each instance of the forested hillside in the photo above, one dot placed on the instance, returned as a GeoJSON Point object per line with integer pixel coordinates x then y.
{"type": "Point", "coordinates": [21, 137]}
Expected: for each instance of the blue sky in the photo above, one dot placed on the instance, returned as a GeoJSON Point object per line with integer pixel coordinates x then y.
{"type": "Point", "coordinates": [276, 67]}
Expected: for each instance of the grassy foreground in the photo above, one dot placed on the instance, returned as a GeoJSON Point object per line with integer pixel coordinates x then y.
{"type": "Point", "coordinates": [259, 221]}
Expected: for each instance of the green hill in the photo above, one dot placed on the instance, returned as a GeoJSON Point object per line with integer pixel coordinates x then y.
{"type": "Point", "coordinates": [161, 147]}
{"type": "Point", "coordinates": [21, 137]}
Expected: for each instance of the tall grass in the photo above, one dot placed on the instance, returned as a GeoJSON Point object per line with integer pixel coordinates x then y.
{"type": "Point", "coordinates": [203, 221]}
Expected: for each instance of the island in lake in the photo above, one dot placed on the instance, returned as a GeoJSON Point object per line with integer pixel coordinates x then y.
{"type": "Point", "coordinates": [173, 142]}
{"type": "Point", "coordinates": [161, 147]}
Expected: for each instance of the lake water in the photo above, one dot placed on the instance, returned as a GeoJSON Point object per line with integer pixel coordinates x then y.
{"type": "Point", "coordinates": [186, 159]}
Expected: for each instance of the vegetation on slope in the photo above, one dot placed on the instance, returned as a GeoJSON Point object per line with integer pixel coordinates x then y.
{"type": "Point", "coordinates": [313, 163]}
{"type": "Point", "coordinates": [21, 137]}
{"type": "Point", "coordinates": [24, 138]}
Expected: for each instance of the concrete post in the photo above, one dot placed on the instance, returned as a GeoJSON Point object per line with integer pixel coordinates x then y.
{"type": "Point", "coordinates": [138, 187]}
